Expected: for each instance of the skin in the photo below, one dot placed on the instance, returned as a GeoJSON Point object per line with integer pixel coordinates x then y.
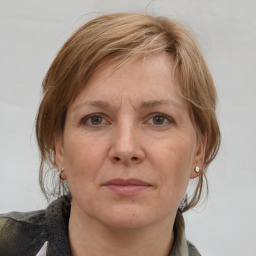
{"type": "Point", "coordinates": [140, 129]}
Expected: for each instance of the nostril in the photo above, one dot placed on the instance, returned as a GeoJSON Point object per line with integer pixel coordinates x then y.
{"type": "Point", "coordinates": [134, 158]}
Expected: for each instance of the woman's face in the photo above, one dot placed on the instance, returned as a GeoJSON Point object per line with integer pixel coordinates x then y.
{"type": "Point", "coordinates": [129, 146]}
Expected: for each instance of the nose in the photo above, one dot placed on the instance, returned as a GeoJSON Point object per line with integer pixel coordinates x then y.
{"type": "Point", "coordinates": [126, 146]}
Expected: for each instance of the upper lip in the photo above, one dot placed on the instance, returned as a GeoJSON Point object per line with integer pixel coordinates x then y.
{"type": "Point", "coordinates": [126, 182]}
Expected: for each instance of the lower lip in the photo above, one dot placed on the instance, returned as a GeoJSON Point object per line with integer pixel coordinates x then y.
{"type": "Point", "coordinates": [128, 189]}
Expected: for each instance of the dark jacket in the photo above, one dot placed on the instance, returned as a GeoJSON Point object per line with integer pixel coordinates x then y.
{"type": "Point", "coordinates": [24, 234]}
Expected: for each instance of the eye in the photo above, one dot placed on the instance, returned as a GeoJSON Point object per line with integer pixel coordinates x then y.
{"type": "Point", "coordinates": [93, 120]}
{"type": "Point", "coordinates": [160, 120]}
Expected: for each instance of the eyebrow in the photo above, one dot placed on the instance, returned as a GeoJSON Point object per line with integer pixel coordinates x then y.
{"type": "Point", "coordinates": [96, 103]}
{"type": "Point", "coordinates": [153, 103]}
{"type": "Point", "coordinates": [144, 105]}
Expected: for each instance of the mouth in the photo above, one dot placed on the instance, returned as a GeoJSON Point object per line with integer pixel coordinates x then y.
{"type": "Point", "coordinates": [127, 187]}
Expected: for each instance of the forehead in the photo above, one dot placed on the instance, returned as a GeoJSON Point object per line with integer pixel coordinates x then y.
{"type": "Point", "coordinates": [145, 79]}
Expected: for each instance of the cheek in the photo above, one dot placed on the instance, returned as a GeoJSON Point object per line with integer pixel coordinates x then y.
{"type": "Point", "coordinates": [84, 158]}
{"type": "Point", "coordinates": [174, 160]}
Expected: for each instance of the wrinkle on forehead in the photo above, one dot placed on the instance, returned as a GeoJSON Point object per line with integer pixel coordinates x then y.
{"type": "Point", "coordinates": [107, 73]}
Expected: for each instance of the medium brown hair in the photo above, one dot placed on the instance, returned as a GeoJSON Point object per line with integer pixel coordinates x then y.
{"type": "Point", "coordinates": [124, 37]}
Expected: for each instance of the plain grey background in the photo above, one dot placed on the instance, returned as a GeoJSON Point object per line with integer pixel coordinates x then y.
{"type": "Point", "coordinates": [31, 33]}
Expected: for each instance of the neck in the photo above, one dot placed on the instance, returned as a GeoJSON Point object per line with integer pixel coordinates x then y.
{"type": "Point", "coordinates": [90, 237]}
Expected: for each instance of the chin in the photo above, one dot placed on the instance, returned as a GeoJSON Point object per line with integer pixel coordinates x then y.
{"type": "Point", "coordinates": [127, 218]}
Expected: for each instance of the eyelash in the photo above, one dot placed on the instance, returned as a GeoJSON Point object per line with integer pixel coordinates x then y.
{"type": "Point", "coordinates": [87, 118]}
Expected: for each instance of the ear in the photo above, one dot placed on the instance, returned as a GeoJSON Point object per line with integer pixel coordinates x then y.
{"type": "Point", "coordinates": [59, 156]}
{"type": "Point", "coordinates": [199, 156]}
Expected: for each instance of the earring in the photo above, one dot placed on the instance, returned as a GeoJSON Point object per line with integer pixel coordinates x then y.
{"type": "Point", "coordinates": [197, 169]}
{"type": "Point", "coordinates": [60, 172]}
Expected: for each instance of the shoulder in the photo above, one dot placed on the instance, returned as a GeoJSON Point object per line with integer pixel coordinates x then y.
{"type": "Point", "coordinates": [192, 249]}
{"type": "Point", "coordinates": [22, 233]}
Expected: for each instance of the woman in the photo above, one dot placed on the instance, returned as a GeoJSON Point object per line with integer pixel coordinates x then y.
{"type": "Point", "coordinates": [127, 118]}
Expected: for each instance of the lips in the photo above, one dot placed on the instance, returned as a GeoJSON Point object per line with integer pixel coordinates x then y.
{"type": "Point", "coordinates": [127, 187]}
{"type": "Point", "coordinates": [127, 182]}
